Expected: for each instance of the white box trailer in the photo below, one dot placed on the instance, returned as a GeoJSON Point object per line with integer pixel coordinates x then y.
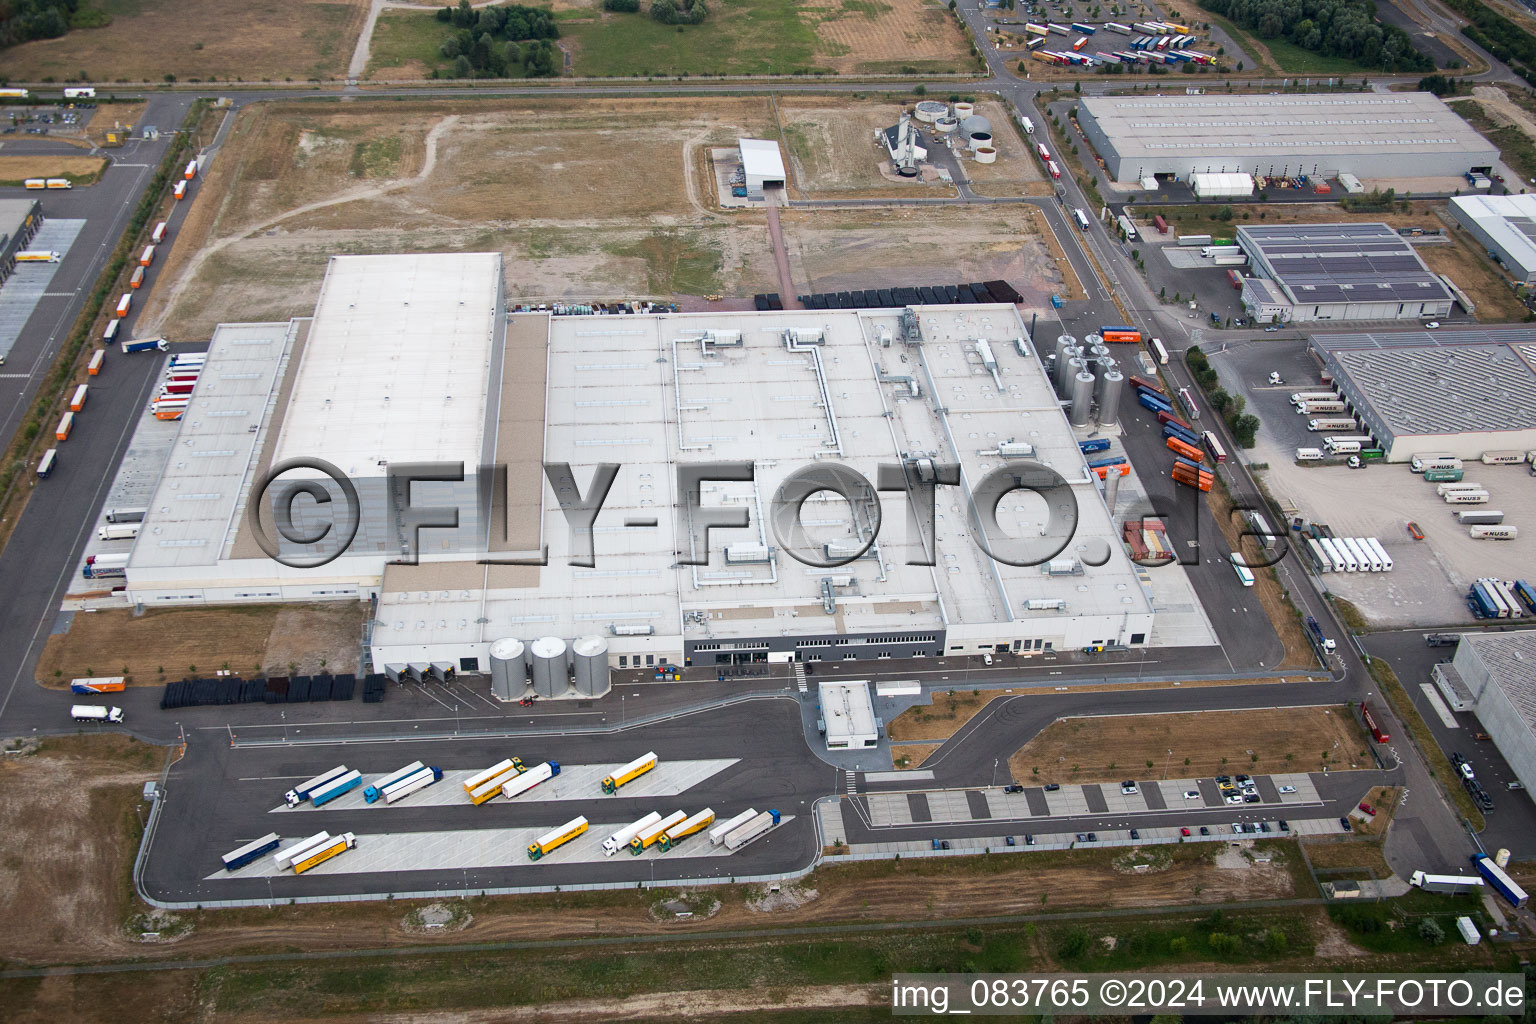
{"type": "Point", "coordinates": [743, 835]}
{"type": "Point", "coordinates": [530, 778]}
{"type": "Point", "coordinates": [1467, 498]}
{"type": "Point", "coordinates": [620, 839]}
{"type": "Point", "coordinates": [1332, 551]}
{"type": "Point", "coordinates": [1451, 488]}
{"type": "Point", "coordinates": [1319, 556]}
{"type": "Point", "coordinates": [1381, 553]}
{"type": "Point", "coordinates": [284, 858]}
{"type": "Point", "coordinates": [719, 832]}
{"type": "Point", "coordinates": [414, 784]}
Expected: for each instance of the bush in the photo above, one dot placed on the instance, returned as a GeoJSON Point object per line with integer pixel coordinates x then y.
{"type": "Point", "coordinates": [622, 6]}
{"type": "Point", "coordinates": [1431, 932]}
{"type": "Point", "coordinates": [1073, 945]}
{"type": "Point", "coordinates": [679, 12]}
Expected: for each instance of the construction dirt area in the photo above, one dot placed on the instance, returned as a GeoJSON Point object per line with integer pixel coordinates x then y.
{"type": "Point", "coordinates": [246, 640]}
{"type": "Point", "coordinates": [836, 250]}
{"type": "Point", "coordinates": [154, 40]}
{"type": "Point", "coordinates": [587, 201]}
{"type": "Point", "coordinates": [1203, 744]}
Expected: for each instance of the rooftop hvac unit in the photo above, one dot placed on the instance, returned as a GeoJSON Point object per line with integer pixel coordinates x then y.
{"type": "Point", "coordinates": [804, 336]}
{"type": "Point", "coordinates": [847, 548]}
{"type": "Point", "coordinates": [745, 554]}
{"type": "Point", "coordinates": [722, 337]}
{"type": "Point", "coordinates": [1045, 604]}
{"type": "Point", "coordinates": [645, 629]}
{"type": "Point", "coordinates": [1012, 449]}
{"type": "Point", "coordinates": [1063, 567]}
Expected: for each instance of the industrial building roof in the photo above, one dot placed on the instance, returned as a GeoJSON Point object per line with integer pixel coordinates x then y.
{"type": "Point", "coordinates": [1510, 659]}
{"type": "Point", "coordinates": [196, 504]}
{"type": "Point", "coordinates": [1302, 127]}
{"type": "Point", "coordinates": [13, 212]}
{"type": "Point", "coordinates": [397, 365]}
{"type": "Point", "coordinates": [1510, 221]}
{"type": "Point", "coordinates": [654, 392]}
{"type": "Point", "coordinates": [1441, 382]}
{"type": "Point", "coordinates": [761, 158]}
{"type": "Point", "coordinates": [848, 712]}
{"type": "Point", "coordinates": [1333, 263]}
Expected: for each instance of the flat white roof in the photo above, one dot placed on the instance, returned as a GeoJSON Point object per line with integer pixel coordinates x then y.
{"type": "Point", "coordinates": [848, 713]}
{"type": "Point", "coordinates": [397, 365]}
{"type": "Point", "coordinates": [1509, 220]}
{"type": "Point", "coordinates": [761, 157]}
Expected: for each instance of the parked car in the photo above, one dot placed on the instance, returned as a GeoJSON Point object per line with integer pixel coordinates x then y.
{"type": "Point", "coordinates": [1082, 837]}
{"type": "Point", "coordinates": [1466, 771]}
{"type": "Point", "coordinates": [1014, 788]}
{"type": "Point", "coordinates": [1009, 841]}
{"type": "Point", "coordinates": [1128, 787]}
{"type": "Point", "coordinates": [1242, 779]}
{"type": "Point", "coordinates": [1238, 828]}
{"type": "Point", "coordinates": [1250, 798]}
{"type": "Point", "coordinates": [1093, 837]}
{"type": "Point", "coordinates": [1135, 834]}
{"type": "Point", "coordinates": [1205, 830]}
{"type": "Point", "coordinates": [1285, 826]}
{"type": "Point", "coordinates": [1183, 831]}
{"type": "Point", "coordinates": [1191, 794]}
{"type": "Point", "coordinates": [1029, 840]}
{"type": "Point", "coordinates": [1287, 789]}
{"type": "Point", "coordinates": [1345, 825]}
{"type": "Point", "coordinates": [1222, 779]}
{"type": "Point", "coordinates": [1367, 809]}
{"type": "Point", "coordinates": [1233, 798]}
{"type": "Point", "coordinates": [1051, 787]}
{"type": "Point", "coordinates": [1263, 826]}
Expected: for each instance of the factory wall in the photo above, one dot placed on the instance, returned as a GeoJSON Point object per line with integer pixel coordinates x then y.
{"type": "Point", "coordinates": [1505, 725]}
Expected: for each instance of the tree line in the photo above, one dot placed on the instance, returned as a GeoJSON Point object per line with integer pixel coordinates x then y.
{"type": "Point", "coordinates": [505, 41]}
{"type": "Point", "coordinates": [668, 12]}
{"type": "Point", "coordinates": [1504, 39]}
{"type": "Point", "coordinates": [24, 20]}
{"type": "Point", "coordinates": [1333, 28]}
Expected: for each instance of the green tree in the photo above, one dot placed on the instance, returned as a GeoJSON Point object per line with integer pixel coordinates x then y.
{"type": "Point", "coordinates": [1431, 932]}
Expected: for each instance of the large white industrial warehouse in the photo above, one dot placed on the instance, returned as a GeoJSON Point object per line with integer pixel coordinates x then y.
{"type": "Point", "coordinates": [1458, 391]}
{"type": "Point", "coordinates": [1498, 670]}
{"type": "Point", "coordinates": [1505, 226]}
{"type": "Point", "coordinates": [411, 359]}
{"type": "Point", "coordinates": [1375, 136]}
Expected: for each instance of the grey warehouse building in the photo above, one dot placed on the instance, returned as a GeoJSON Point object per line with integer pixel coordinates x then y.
{"type": "Point", "coordinates": [19, 221]}
{"type": "Point", "coordinates": [1499, 670]}
{"type": "Point", "coordinates": [1505, 226]}
{"type": "Point", "coordinates": [1370, 135]}
{"type": "Point", "coordinates": [1462, 392]}
{"type": "Point", "coordinates": [1309, 272]}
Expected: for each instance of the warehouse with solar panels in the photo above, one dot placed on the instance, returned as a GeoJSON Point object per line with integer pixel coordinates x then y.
{"type": "Point", "coordinates": [1461, 392]}
{"type": "Point", "coordinates": [1377, 136]}
{"type": "Point", "coordinates": [1313, 272]}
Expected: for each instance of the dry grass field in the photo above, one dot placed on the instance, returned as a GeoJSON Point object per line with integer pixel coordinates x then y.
{"type": "Point", "coordinates": [886, 35]}
{"type": "Point", "coordinates": [831, 148]}
{"type": "Point", "coordinates": [1260, 741]}
{"type": "Point", "coordinates": [1016, 166]}
{"type": "Point", "coordinates": [82, 170]}
{"type": "Point", "coordinates": [222, 39]}
{"type": "Point", "coordinates": [239, 638]}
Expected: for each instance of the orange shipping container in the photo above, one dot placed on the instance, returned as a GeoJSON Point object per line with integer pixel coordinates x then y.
{"type": "Point", "coordinates": [147, 256]}
{"type": "Point", "coordinates": [65, 426]}
{"type": "Point", "coordinates": [180, 191]}
{"type": "Point", "coordinates": [78, 401]}
{"type": "Point", "coordinates": [124, 304]}
{"type": "Point", "coordinates": [94, 367]}
{"type": "Point", "coordinates": [1189, 451]}
{"type": "Point", "coordinates": [137, 280]}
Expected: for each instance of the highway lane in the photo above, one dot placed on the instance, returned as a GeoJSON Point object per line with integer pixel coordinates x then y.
{"type": "Point", "coordinates": [219, 797]}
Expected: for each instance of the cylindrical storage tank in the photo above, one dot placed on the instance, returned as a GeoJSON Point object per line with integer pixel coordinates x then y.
{"type": "Point", "coordinates": [1082, 399]}
{"type": "Point", "coordinates": [929, 111]}
{"type": "Point", "coordinates": [1109, 401]}
{"type": "Point", "coordinates": [1111, 491]}
{"type": "Point", "coordinates": [946, 124]}
{"type": "Point", "coordinates": [1093, 339]}
{"type": "Point", "coordinates": [986, 155]}
{"type": "Point", "coordinates": [907, 172]}
{"type": "Point", "coordinates": [1501, 858]}
{"type": "Point", "coordinates": [973, 123]}
{"type": "Point", "coordinates": [546, 657]}
{"type": "Point", "coordinates": [509, 674]}
{"type": "Point", "coordinates": [589, 665]}
{"type": "Point", "coordinates": [1075, 366]}
{"type": "Point", "coordinates": [963, 111]}
{"type": "Point", "coordinates": [1064, 345]}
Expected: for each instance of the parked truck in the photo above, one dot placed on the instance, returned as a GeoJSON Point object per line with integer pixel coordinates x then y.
{"type": "Point", "coordinates": [631, 771]}
{"type": "Point", "coordinates": [650, 835]}
{"type": "Point", "coordinates": [1446, 883]}
{"type": "Point", "coordinates": [556, 838]}
{"type": "Point", "coordinates": [238, 858]}
{"type": "Point", "coordinates": [759, 825]}
{"type": "Point", "coordinates": [95, 713]}
{"type": "Point", "coordinates": [532, 777]}
{"type": "Point", "coordinates": [300, 793]}
{"type": "Point", "coordinates": [691, 825]}
{"type": "Point", "coordinates": [145, 345]}
{"type": "Point", "coordinates": [319, 854]}
{"type": "Point", "coordinates": [1480, 603]}
{"type": "Point", "coordinates": [1498, 880]}
{"type": "Point", "coordinates": [336, 787]}
{"type": "Point", "coordinates": [98, 684]}
{"type": "Point", "coordinates": [493, 780]}
{"type": "Point", "coordinates": [284, 859]}
{"type": "Point", "coordinates": [373, 792]}
{"type": "Point", "coordinates": [415, 784]}
{"type": "Point", "coordinates": [1317, 631]}
{"type": "Point", "coordinates": [1370, 723]}
{"type": "Point", "coordinates": [620, 839]}
{"type": "Point", "coordinates": [1330, 423]}
{"type": "Point", "coordinates": [718, 833]}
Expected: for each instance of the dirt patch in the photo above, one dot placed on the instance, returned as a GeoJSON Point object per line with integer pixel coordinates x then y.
{"type": "Point", "coordinates": [438, 919]}
{"type": "Point", "coordinates": [905, 756]}
{"type": "Point", "coordinates": [228, 40]}
{"type": "Point", "coordinates": [772, 899]}
{"type": "Point", "coordinates": [163, 644]}
{"type": "Point", "coordinates": [78, 799]}
{"type": "Point", "coordinates": [834, 148]}
{"type": "Point", "coordinates": [1336, 857]}
{"type": "Point", "coordinates": [1382, 799]}
{"type": "Point", "coordinates": [112, 117]}
{"type": "Point", "coordinates": [1071, 285]}
{"type": "Point", "coordinates": [1282, 614]}
{"type": "Point", "coordinates": [887, 35]}
{"type": "Point", "coordinates": [1206, 743]}
{"type": "Point", "coordinates": [1466, 263]}
{"type": "Point", "coordinates": [941, 719]}
{"type": "Point", "coordinates": [82, 170]}
{"type": "Point", "coordinates": [1331, 942]}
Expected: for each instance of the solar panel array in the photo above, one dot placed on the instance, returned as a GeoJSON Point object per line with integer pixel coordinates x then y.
{"type": "Point", "coordinates": [1332, 263]}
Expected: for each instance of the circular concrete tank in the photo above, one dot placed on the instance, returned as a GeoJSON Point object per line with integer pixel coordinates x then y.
{"type": "Point", "coordinates": [509, 673]}
{"type": "Point", "coordinates": [946, 124]}
{"type": "Point", "coordinates": [974, 124]}
{"type": "Point", "coordinates": [986, 155]}
{"type": "Point", "coordinates": [546, 657]}
{"type": "Point", "coordinates": [964, 110]}
{"type": "Point", "coordinates": [589, 665]}
{"type": "Point", "coordinates": [929, 111]}
{"type": "Point", "coordinates": [907, 172]}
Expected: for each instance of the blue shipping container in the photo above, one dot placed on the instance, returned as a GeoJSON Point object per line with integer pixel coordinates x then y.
{"type": "Point", "coordinates": [1153, 404]}
{"type": "Point", "coordinates": [1526, 593]}
{"type": "Point", "coordinates": [331, 791]}
{"type": "Point", "coordinates": [1495, 877]}
{"type": "Point", "coordinates": [1187, 464]}
{"type": "Point", "coordinates": [1099, 445]}
{"type": "Point", "coordinates": [1481, 604]}
{"type": "Point", "coordinates": [1114, 460]}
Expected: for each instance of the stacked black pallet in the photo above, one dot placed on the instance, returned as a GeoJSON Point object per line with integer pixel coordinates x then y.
{"type": "Point", "coordinates": [197, 693]}
{"type": "Point", "coordinates": [298, 689]}
{"type": "Point", "coordinates": [765, 302]}
{"type": "Point", "coordinates": [373, 688]}
{"type": "Point", "coordinates": [342, 687]}
{"type": "Point", "coordinates": [921, 295]}
{"type": "Point", "coordinates": [277, 690]}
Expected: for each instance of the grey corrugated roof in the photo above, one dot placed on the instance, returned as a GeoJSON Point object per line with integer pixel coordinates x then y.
{"type": "Point", "coordinates": [1511, 661]}
{"type": "Point", "coordinates": [1451, 381]}
{"type": "Point", "coordinates": [1325, 263]}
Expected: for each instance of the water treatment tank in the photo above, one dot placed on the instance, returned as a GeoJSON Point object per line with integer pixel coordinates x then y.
{"type": "Point", "coordinates": [589, 665]}
{"type": "Point", "coordinates": [986, 154]}
{"type": "Point", "coordinates": [509, 673]}
{"type": "Point", "coordinates": [975, 123]}
{"type": "Point", "coordinates": [1082, 403]}
{"type": "Point", "coordinates": [963, 111]}
{"type": "Point", "coordinates": [929, 111]}
{"type": "Point", "coordinates": [946, 124]}
{"type": "Point", "coordinates": [547, 661]}
{"type": "Point", "coordinates": [1109, 402]}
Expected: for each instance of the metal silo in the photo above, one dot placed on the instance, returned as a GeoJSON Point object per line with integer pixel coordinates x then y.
{"type": "Point", "coordinates": [1082, 400]}
{"type": "Point", "coordinates": [1064, 346]}
{"type": "Point", "coordinates": [589, 665]}
{"type": "Point", "coordinates": [509, 673]}
{"type": "Point", "coordinates": [1109, 401]}
{"type": "Point", "coordinates": [547, 660]}
{"type": "Point", "coordinates": [1075, 366]}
